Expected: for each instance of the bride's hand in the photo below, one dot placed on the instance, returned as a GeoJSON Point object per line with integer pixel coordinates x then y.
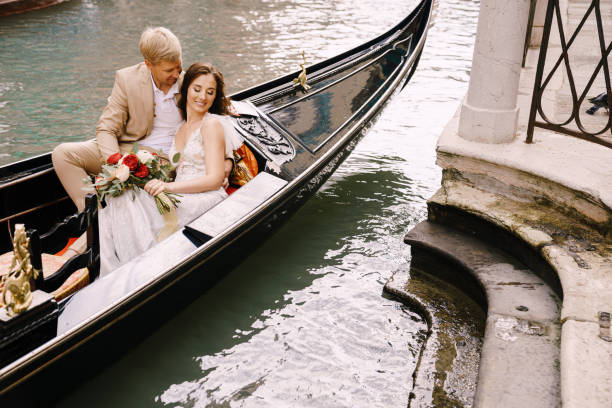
{"type": "Point", "coordinates": [155, 186]}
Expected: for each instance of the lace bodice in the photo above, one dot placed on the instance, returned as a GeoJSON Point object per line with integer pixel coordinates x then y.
{"type": "Point", "coordinates": [191, 163]}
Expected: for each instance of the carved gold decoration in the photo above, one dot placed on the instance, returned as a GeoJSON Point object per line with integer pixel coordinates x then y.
{"type": "Point", "coordinates": [301, 79]}
{"type": "Point", "coordinates": [17, 294]}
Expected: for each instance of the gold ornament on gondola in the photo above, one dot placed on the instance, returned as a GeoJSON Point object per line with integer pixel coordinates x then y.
{"type": "Point", "coordinates": [301, 79]}
{"type": "Point", "coordinates": [17, 294]}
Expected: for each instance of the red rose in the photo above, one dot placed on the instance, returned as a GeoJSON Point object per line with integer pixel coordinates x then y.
{"type": "Point", "coordinates": [142, 171]}
{"type": "Point", "coordinates": [131, 160]}
{"type": "Point", "coordinates": [114, 158]}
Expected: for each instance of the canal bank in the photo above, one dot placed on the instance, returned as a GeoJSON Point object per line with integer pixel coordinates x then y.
{"type": "Point", "coordinates": [547, 203]}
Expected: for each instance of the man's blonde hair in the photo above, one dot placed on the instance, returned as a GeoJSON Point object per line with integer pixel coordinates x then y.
{"type": "Point", "coordinates": [159, 44]}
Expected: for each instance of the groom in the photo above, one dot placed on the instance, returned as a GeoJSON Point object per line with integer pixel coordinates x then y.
{"type": "Point", "coordinates": [141, 108]}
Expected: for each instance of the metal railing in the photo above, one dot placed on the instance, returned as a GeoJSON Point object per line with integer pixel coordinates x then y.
{"type": "Point", "coordinates": [532, 8]}
{"type": "Point", "coordinates": [576, 126]}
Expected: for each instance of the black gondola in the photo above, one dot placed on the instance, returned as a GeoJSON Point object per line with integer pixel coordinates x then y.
{"type": "Point", "coordinates": [299, 138]}
{"type": "Point", "coordinates": [9, 7]}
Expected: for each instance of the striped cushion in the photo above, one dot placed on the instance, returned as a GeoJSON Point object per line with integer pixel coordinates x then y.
{"type": "Point", "coordinates": [51, 263]}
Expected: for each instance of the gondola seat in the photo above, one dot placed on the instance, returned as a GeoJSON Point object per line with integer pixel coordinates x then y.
{"type": "Point", "coordinates": [63, 275]}
{"type": "Point", "coordinates": [51, 264]}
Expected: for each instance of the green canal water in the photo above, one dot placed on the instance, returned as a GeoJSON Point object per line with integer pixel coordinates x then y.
{"type": "Point", "coordinates": [301, 322]}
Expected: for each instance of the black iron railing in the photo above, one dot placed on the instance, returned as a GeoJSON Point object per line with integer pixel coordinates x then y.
{"type": "Point", "coordinates": [573, 125]}
{"type": "Point", "coordinates": [532, 8]}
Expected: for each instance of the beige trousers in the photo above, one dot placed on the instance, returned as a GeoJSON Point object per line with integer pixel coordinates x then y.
{"type": "Point", "coordinates": [72, 163]}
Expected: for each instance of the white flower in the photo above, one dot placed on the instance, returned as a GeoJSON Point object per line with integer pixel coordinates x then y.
{"type": "Point", "coordinates": [144, 156]}
{"type": "Point", "coordinates": [122, 172]}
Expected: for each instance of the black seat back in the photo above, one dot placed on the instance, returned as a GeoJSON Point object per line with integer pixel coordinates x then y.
{"type": "Point", "coordinates": [56, 238]}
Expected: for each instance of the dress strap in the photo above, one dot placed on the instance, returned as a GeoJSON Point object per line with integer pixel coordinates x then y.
{"type": "Point", "coordinates": [233, 140]}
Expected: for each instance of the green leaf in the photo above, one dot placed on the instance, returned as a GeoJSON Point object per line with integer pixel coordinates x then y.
{"type": "Point", "coordinates": [135, 148]}
{"type": "Point", "coordinates": [176, 157]}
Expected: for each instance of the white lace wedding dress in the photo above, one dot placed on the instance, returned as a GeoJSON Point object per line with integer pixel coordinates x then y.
{"type": "Point", "coordinates": [128, 227]}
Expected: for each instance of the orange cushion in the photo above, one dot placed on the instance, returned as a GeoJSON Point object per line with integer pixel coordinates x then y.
{"type": "Point", "coordinates": [229, 190]}
{"type": "Point", "coordinates": [245, 167]}
{"type": "Point", "coordinates": [70, 242]}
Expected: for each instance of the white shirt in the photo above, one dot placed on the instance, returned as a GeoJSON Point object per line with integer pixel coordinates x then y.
{"type": "Point", "coordinates": [166, 120]}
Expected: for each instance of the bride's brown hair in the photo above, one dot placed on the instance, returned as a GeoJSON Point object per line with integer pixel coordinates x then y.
{"type": "Point", "coordinates": [220, 105]}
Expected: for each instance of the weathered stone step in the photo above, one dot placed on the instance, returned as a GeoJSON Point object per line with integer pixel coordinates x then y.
{"type": "Point", "coordinates": [572, 257]}
{"type": "Point", "coordinates": [520, 355]}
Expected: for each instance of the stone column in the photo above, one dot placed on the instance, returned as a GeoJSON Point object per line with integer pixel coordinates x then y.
{"type": "Point", "coordinates": [489, 112]}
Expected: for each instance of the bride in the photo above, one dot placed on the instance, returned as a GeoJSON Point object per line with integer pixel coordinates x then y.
{"type": "Point", "coordinates": [131, 225]}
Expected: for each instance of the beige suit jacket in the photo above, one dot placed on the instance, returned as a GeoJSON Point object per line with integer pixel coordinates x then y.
{"type": "Point", "coordinates": [128, 116]}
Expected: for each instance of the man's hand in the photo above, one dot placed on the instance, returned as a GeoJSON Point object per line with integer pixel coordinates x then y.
{"type": "Point", "coordinates": [228, 165]}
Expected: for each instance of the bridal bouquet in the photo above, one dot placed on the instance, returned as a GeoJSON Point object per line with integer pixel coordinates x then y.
{"type": "Point", "coordinates": [131, 171]}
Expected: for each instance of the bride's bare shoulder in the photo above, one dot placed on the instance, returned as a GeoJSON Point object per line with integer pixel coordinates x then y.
{"type": "Point", "coordinates": [211, 125]}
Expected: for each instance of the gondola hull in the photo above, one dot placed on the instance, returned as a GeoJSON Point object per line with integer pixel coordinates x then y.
{"type": "Point", "coordinates": [299, 137]}
{"type": "Point", "coordinates": [9, 7]}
